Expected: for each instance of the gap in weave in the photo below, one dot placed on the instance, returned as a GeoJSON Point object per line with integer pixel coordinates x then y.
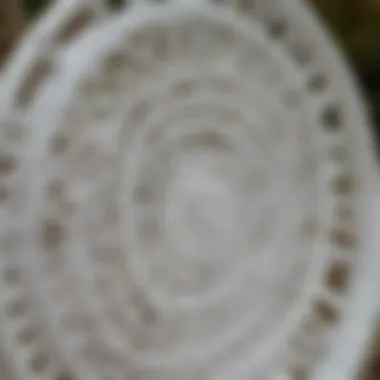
{"type": "Point", "coordinates": [8, 164]}
{"type": "Point", "coordinates": [327, 312]}
{"type": "Point", "coordinates": [52, 234]}
{"type": "Point", "coordinates": [337, 277]}
{"type": "Point", "coordinates": [17, 308]}
{"type": "Point", "coordinates": [114, 62]}
{"type": "Point", "coordinates": [277, 28]}
{"type": "Point", "coordinates": [55, 189]}
{"type": "Point", "coordinates": [317, 83]}
{"type": "Point", "coordinates": [12, 276]}
{"type": "Point", "coordinates": [343, 239]}
{"type": "Point", "coordinates": [144, 193]}
{"type": "Point", "coordinates": [74, 26]}
{"type": "Point", "coordinates": [299, 372]}
{"type": "Point", "coordinates": [116, 4]}
{"type": "Point", "coordinates": [343, 184]}
{"type": "Point", "coordinates": [332, 117]}
{"type": "Point", "coordinates": [59, 144]}
{"type": "Point", "coordinates": [4, 193]}
{"type": "Point", "coordinates": [39, 362]}
{"type": "Point", "coordinates": [27, 335]}
{"type": "Point", "coordinates": [36, 75]}
{"type": "Point", "coordinates": [245, 6]}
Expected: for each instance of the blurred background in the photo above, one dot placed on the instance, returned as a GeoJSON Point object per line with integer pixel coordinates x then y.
{"type": "Point", "coordinates": [355, 25]}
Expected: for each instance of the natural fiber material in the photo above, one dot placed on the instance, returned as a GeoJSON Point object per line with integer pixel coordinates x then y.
{"type": "Point", "coordinates": [187, 192]}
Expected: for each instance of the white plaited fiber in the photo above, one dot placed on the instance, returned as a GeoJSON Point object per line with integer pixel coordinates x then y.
{"type": "Point", "coordinates": [187, 192]}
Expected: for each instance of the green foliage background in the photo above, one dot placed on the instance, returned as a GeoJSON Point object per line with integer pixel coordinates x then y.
{"type": "Point", "coordinates": [33, 6]}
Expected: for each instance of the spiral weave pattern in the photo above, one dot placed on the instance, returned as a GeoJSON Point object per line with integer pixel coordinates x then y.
{"type": "Point", "coordinates": [181, 196]}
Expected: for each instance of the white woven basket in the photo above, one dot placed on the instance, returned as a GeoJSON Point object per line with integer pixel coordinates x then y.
{"type": "Point", "coordinates": [187, 192]}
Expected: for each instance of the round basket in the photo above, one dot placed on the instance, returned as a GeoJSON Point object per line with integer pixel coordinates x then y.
{"type": "Point", "coordinates": [187, 191]}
